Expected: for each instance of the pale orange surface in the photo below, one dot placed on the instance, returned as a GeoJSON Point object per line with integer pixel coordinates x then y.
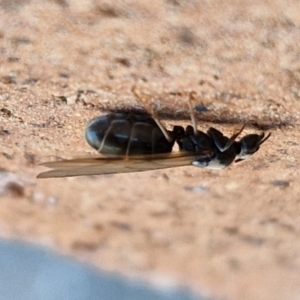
{"type": "Point", "coordinates": [233, 233]}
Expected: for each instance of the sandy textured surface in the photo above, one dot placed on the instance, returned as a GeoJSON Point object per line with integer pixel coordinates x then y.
{"type": "Point", "coordinates": [232, 234]}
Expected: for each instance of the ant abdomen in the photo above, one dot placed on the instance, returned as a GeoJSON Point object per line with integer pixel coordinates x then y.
{"type": "Point", "coordinates": [126, 134]}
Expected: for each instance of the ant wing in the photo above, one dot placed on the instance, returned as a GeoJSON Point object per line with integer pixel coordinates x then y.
{"type": "Point", "coordinates": [118, 164]}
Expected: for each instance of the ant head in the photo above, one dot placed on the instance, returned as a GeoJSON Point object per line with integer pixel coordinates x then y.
{"type": "Point", "coordinates": [249, 144]}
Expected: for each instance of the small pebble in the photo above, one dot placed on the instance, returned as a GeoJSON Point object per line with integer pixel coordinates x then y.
{"type": "Point", "coordinates": [11, 185]}
{"type": "Point", "coordinates": [196, 189]}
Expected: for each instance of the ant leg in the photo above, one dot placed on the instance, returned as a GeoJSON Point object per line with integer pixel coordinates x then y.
{"type": "Point", "coordinates": [162, 128]}
{"type": "Point", "coordinates": [130, 140]}
{"type": "Point", "coordinates": [218, 137]}
{"type": "Point", "coordinates": [193, 119]}
{"type": "Point", "coordinates": [153, 115]}
{"type": "Point", "coordinates": [233, 137]}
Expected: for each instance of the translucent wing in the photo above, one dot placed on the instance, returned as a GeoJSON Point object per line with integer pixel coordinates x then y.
{"type": "Point", "coordinates": [117, 164]}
